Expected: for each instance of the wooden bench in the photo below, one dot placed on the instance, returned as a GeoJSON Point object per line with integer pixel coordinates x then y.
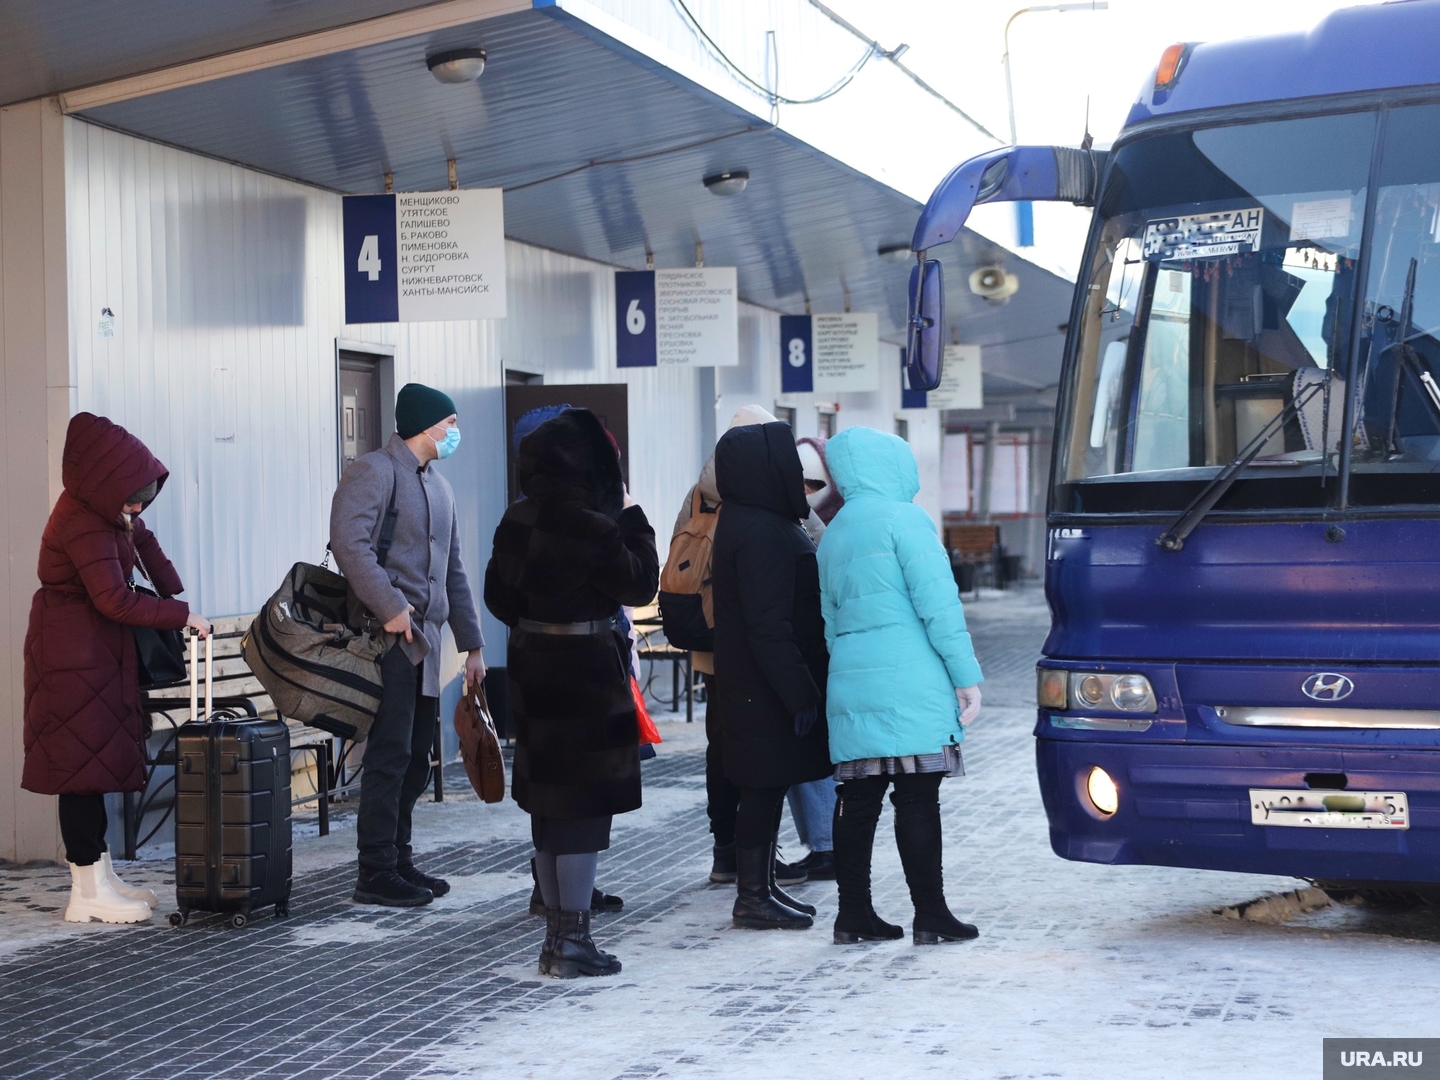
{"type": "Point", "coordinates": [235, 688]}
{"type": "Point", "coordinates": [652, 646]}
{"type": "Point", "coordinates": [975, 546]}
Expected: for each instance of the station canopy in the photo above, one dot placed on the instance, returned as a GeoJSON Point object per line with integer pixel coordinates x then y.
{"type": "Point", "coordinates": [600, 146]}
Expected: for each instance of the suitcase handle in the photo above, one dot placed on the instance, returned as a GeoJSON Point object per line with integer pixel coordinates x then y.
{"type": "Point", "coordinates": [191, 650]}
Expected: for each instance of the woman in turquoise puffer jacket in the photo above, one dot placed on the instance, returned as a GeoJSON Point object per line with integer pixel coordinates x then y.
{"type": "Point", "coordinates": [903, 681]}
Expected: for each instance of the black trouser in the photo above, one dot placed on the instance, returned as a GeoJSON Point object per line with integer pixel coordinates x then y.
{"type": "Point", "coordinates": [397, 763]}
{"type": "Point", "coordinates": [82, 827]}
{"type": "Point", "coordinates": [721, 796]}
{"type": "Point", "coordinates": [916, 799]}
{"type": "Point", "coordinates": [758, 816]}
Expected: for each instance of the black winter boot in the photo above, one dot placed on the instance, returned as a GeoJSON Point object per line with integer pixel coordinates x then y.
{"type": "Point", "coordinates": [406, 868]}
{"type": "Point", "coordinates": [552, 930]}
{"type": "Point", "coordinates": [755, 906]}
{"type": "Point", "coordinates": [574, 952]}
{"type": "Point", "coordinates": [856, 920]}
{"type": "Point", "coordinates": [722, 867]}
{"type": "Point", "coordinates": [602, 903]}
{"type": "Point", "coordinates": [918, 836]}
{"type": "Point", "coordinates": [388, 889]}
{"type": "Point", "coordinates": [780, 894]}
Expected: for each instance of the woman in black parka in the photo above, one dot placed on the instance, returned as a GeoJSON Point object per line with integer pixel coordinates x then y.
{"type": "Point", "coordinates": [566, 557]}
{"type": "Point", "coordinates": [770, 659]}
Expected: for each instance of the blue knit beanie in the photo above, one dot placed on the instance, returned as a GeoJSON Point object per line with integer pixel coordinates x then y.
{"type": "Point", "coordinates": [531, 420]}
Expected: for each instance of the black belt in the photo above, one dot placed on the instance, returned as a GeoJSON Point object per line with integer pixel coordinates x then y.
{"type": "Point", "coordinates": [595, 626]}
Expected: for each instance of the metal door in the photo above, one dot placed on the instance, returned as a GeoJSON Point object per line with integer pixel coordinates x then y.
{"type": "Point", "coordinates": [359, 409]}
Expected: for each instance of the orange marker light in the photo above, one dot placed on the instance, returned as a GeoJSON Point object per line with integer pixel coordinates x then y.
{"type": "Point", "coordinates": [1171, 61]}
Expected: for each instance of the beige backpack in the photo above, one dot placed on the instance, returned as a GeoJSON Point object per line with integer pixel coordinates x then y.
{"type": "Point", "coordinates": [686, 607]}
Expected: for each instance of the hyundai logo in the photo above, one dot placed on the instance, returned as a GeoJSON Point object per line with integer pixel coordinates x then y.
{"type": "Point", "coordinates": [1327, 686]}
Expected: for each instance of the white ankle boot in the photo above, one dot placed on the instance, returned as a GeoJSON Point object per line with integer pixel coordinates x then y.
{"type": "Point", "coordinates": [93, 897]}
{"type": "Point", "coordinates": [130, 892]}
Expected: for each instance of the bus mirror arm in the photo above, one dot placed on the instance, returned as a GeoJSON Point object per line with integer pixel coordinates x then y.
{"type": "Point", "coordinates": [1009, 174]}
{"type": "Point", "coordinates": [1173, 538]}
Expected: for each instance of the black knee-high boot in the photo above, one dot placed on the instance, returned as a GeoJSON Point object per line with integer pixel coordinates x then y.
{"type": "Point", "coordinates": [918, 836]}
{"type": "Point", "coordinates": [857, 810]}
{"type": "Point", "coordinates": [775, 890]}
{"type": "Point", "coordinates": [755, 907]}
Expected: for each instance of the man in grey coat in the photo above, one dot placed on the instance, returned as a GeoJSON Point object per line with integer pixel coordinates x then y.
{"type": "Point", "coordinates": [417, 587]}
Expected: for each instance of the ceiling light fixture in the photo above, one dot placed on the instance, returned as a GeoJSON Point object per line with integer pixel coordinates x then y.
{"type": "Point", "coordinates": [727, 183]}
{"type": "Point", "coordinates": [457, 65]}
{"type": "Point", "coordinates": [894, 253]}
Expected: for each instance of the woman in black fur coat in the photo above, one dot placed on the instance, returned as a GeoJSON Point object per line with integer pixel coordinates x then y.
{"type": "Point", "coordinates": [566, 557]}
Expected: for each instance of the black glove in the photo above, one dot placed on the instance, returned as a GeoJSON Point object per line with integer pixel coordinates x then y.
{"type": "Point", "coordinates": [805, 720]}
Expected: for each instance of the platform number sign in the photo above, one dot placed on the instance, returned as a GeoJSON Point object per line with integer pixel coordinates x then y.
{"type": "Point", "coordinates": [371, 293]}
{"type": "Point", "coordinates": [797, 369]}
{"type": "Point", "coordinates": [635, 344]}
{"type": "Point", "coordinates": [424, 256]}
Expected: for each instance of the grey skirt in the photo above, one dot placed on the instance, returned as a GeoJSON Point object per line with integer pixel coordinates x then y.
{"type": "Point", "coordinates": [947, 760]}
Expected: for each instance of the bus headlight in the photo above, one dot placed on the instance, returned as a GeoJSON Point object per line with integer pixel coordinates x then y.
{"type": "Point", "coordinates": [1091, 690]}
{"type": "Point", "coordinates": [1050, 688]}
{"type": "Point", "coordinates": [1097, 690]}
{"type": "Point", "coordinates": [1132, 693]}
{"type": "Point", "coordinates": [1104, 795]}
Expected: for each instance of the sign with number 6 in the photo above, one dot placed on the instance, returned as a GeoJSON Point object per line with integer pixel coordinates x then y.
{"type": "Point", "coordinates": [681, 318]}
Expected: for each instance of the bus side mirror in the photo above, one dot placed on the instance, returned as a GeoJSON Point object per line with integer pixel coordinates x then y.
{"type": "Point", "coordinates": [923, 344]}
{"type": "Point", "coordinates": [1010, 174]}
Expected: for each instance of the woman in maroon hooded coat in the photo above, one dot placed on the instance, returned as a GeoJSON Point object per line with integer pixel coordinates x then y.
{"type": "Point", "coordinates": [83, 715]}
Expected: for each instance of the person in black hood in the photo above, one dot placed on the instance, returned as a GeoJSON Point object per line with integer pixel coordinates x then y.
{"type": "Point", "coordinates": [770, 658]}
{"type": "Point", "coordinates": [566, 558]}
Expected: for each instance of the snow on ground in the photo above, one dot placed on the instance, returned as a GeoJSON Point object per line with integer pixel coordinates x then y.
{"type": "Point", "coordinates": [1081, 971]}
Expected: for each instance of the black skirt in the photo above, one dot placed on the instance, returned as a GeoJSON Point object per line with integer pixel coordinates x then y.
{"type": "Point", "coordinates": [570, 836]}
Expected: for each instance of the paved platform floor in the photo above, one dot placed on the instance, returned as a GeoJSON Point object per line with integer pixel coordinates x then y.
{"type": "Point", "coordinates": [1081, 971]}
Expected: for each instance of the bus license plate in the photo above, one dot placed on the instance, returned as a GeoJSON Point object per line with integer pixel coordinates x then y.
{"type": "Point", "coordinates": [1309, 808]}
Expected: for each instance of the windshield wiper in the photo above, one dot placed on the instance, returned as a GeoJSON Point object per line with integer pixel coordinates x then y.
{"type": "Point", "coordinates": [1407, 356]}
{"type": "Point", "coordinates": [1173, 538]}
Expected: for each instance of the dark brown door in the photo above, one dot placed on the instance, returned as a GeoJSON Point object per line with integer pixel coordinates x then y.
{"type": "Point", "coordinates": [359, 409]}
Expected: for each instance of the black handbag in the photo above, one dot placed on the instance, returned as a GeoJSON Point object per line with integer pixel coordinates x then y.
{"type": "Point", "coordinates": [159, 653]}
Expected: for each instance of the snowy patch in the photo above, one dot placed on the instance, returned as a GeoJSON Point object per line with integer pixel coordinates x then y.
{"type": "Point", "coordinates": [1279, 908]}
{"type": "Point", "coordinates": [346, 932]}
{"type": "Point", "coordinates": [481, 888]}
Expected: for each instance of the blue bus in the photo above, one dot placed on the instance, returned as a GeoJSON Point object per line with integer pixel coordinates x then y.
{"type": "Point", "coordinates": [1243, 564]}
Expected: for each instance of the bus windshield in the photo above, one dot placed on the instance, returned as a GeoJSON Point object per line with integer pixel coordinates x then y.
{"type": "Point", "coordinates": [1223, 290]}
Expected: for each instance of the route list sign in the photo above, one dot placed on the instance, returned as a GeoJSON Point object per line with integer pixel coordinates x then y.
{"type": "Point", "coordinates": [676, 318]}
{"type": "Point", "coordinates": [425, 256]}
{"type": "Point", "coordinates": [829, 354]}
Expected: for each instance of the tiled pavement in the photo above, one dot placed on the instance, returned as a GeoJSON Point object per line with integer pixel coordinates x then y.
{"type": "Point", "coordinates": [1080, 970]}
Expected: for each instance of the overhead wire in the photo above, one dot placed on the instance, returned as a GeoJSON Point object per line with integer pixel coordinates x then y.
{"type": "Point", "coordinates": [873, 49]}
{"type": "Point", "coordinates": [772, 94]}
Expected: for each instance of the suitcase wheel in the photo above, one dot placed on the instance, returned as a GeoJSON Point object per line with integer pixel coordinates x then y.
{"type": "Point", "coordinates": [239, 919]}
{"type": "Point", "coordinates": [282, 908]}
{"type": "Point", "coordinates": [177, 918]}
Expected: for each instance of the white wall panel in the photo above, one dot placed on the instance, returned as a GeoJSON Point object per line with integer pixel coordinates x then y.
{"type": "Point", "coordinates": [221, 281]}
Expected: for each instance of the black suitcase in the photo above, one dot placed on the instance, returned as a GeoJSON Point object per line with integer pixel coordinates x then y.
{"type": "Point", "coordinates": [232, 810]}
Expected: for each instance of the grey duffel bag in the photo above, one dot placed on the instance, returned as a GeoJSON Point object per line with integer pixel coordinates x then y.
{"type": "Point", "coordinates": [316, 667]}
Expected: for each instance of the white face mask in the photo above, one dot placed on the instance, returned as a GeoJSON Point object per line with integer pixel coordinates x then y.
{"type": "Point", "coordinates": [814, 472]}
